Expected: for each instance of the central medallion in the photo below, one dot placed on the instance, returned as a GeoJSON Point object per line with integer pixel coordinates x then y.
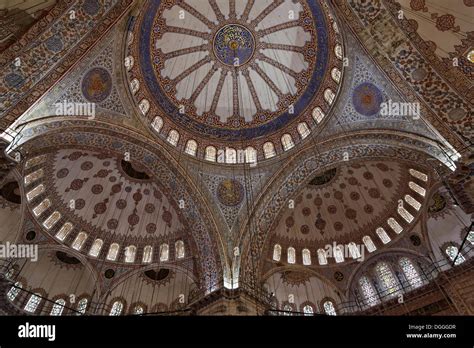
{"type": "Point", "coordinates": [234, 45]}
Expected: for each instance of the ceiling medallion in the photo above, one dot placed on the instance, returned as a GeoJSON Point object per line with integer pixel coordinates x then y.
{"type": "Point", "coordinates": [234, 45]}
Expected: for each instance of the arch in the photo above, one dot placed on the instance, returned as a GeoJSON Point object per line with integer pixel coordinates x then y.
{"type": "Point", "coordinates": [191, 147]}
{"type": "Point", "coordinates": [269, 150]}
{"type": "Point", "coordinates": [303, 130]}
{"type": "Point", "coordinates": [173, 137]}
{"type": "Point", "coordinates": [287, 142]}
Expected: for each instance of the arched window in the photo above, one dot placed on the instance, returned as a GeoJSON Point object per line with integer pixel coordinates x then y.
{"type": "Point", "coordinates": [336, 74]}
{"type": "Point", "coordinates": [329, 308]}
{"type": "Point", "coordinates": [382, 235]}
{"type": "Point", "coordinates": [164, 252]}
{"type": "Point", "coordinates": [329, 96]}
{"type": "Point", "coordinates": [82, 306]}
{"type": "Point", "coordinates": [339, 253]}
{"type": "Point", "coordinates": [303, 130]}
{"type": "Point", "coordinates": [354, 250]}
{"type": "Point", "coordinates": [306, 257]}
{"type": "Point", "coordinates": [405, 214]}
{"type": "Point", "coordinates": [64, 231]}
{"type": "Point", "coordinates": [147, 254]}
{"type": "Point", "coordinates": [394, 225]}
{"type": "Point", "coordinates": [291, 255]}
{"type": "Point", "coordinates": [269, 150]}
{"type": "Point", "coordinates": [287, 142]}
{"type": "Point", "coordinates": [58, 307]}
{"type": "Point", "coordinates": [35, 192]}
{"type": "Point", "coordinates": [322, 257]}
{"type": "Point", "coordinates": [230, 155]}
{"type": "Point", "coordinates": [113, 252]}
{"type": "Point", "coordinates": [31, 178]}
{"type": "Point", "coordinates": [52, 220]}
{"type": "Point", "coordinates": [413, 202]}
{"type": "Point", "coordinates": [191, 147]}
{"type": "Point", "coordinates": [130, 253]}
{"type": "Point", "coordinates": [368, 291]}
{"type": "Point", "coordinates": [417, 188]}
{"type": "Point", "coordinates": [14, 291]}
{"type": "Point", "coordinates": [277, 252]}
{"type": "Point", "coordinates": [33, 303]}
{"type": "Point", "coordinates": [338, 51]}
{"type": "Point", "coordinates": [173, 137]}
{"type": "Point", "coordinates": [308, 310]}
{"type": "Point", "coordinates": [96, 247]}
{"type": "Point", "coordinates": [134, 86]}
{"type": "Point", "coordinates": [318, 114]}
{"type": "Point", "coordinates": [419, 175]}
{"type": "Point", "coordinates": [117, 308]}
{"type": "Point", "coordinates": [470, 237]}
{"type": "Point", "coordinates": [138, 310]}
{"type": "Point", "coordinates": [179, 247]}
{"type": "Point", "coordinates": [129, 61]}
{"type": "Point", "coordinates": [452, 251]}
{"type": "Point", "coordinates": [287, 309]}
{"type": "Point", "coordinates": [79, 241]}
{"type": "Point", "coordinates": [410, 272]}
{"type": "Point", "coordinates": [40, 208]}
{"type": "Point", "coordinates": [387, 280]}
{"type": "Point", "coordinates": [250, 155]}
{"type": "Point", "coordinates": [144, 106]}
{"type": "Point", "coordinates": [157, 124]}
{"type": "Point", "coordinates": [369, 244]}
{"type": "Point", "coordinates": [211, 154]}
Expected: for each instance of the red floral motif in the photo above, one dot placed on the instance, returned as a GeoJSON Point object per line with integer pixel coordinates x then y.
{"type": "Point", "coordinates": [445, 22]}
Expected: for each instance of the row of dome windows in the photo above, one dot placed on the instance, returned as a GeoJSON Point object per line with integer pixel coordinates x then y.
{"type": "Point", "coordinates": [328, 308]}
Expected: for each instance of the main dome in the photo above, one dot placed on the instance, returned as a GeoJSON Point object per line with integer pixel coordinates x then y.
{"type": "Point", "coordinates": [229, 72]}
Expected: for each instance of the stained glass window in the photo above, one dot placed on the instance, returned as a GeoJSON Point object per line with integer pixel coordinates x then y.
{"type": "Point", "coordinates": [394, 225]}
{"type": "Point", "coordinates": [113, 252]}
{"type": "Point", "coordinates": [306, 257]}
{"type": "Point", "coordinates": [417, 188]}
{"type": "Point", "coordinates": [368, 291]}
{"type": "Point", "coordinates": [277, 252]}
{"type": "Point", "coordinates": [339, 253]}
{"type": "Point", "coordinates": [138, 310]}
{"type": "Point", "coordinates": [250, 155]}
{"type": "Point", "coordinates": [35, 192]}
{"type": "Point", "coordinates": [64, 231]}
{"type": "Point", "coordinates": [287, 142]}
{"type": "Point", "coordinates": [369, 244]}
{"type": "Point", "coordinates": [157, 124]}
{"type": "Point", "coordinates": [191, 147]}
{"type": "Point", "coordinates": [82, 306]}
{"type": "Point", "coordinates": [33, 303]}
{"type": "Point", "coordinates": [96, 247]}
{"type": "Point", "coordinates": [322, 257]}
{"type": "Point", "coordinates": [418, 175]}
{"type": "Point", "coordinates": [336, 74]}
{"type": "Point", "coordinates": [211, 153]}
{"type": "Point", "coordinates": [79, 241]}
{"type": "Point", "coordinates": [413, 202]}
{"type": "Point", "coordinates": [411, 274]}
{"type": "Point", "coordinates": [387, 279]}
{"type": "Point", "coordinates": [164, 252]}
{"type": "Point", "coordinates": [329, 308]}
{"type": "Point", "coordinates": [354, 250]}
{"type": "Point", "coordinates": [117, 308]}
{"type": "Point", "coordinates": [58, 307]}
{"type": "Point", "coordinates": [179, 249]}
{"type": "Point", "coordinates": [318, 114]}
{"type": "Point", "coordinates": [291, 255]}
{"type": "Point", "coordinates": [147, 254]}
{"type": "Point", "coordinates": [269, 150]}
{"type": "Point", "coordinates": [40, 208]}
{"type": "Point", "coordinates": [303, 130]}
{"type": "Point", "coordinates": [14, 291]}
{"type": "Point", "coordinates": [382, 235]}
{"type": "Point", "coordinates": [130, 252]}
{"type": "Point", "coordinates": [470, 237]}
{"type": "Point", "coordinates": [308, 310]}
{"type": "Point", "coordinates": [230, 156]}
{"type": "Point", "coordinates": [452, 252]}
{"type": "Point", "coordinates": [338, 51]}
{"type": "Point", "coordinates": [52, 220]}
{"type": "Point", "coordinates": [329, 96]}
{"type": "Point", "coordinates": [405, 214]}
{"type": "Point", "coordinates": [173, 137]}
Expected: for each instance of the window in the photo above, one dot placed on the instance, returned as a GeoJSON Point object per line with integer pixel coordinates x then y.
{"type": "Point", "coordinates": [58, 307]}
{"type": "Point", "coordinates": [470, 237]}
{"type": "Point", "coordinates": [64, 231]}
{"type": "Point", "coordinates": [117, 308]}
{"type": "Point", "coordinates": [354, 250]}
{"type": "Point", "coordinates": [52, 220]}
{"type": "Point", "coordinates": [291, 255]}
{"type": "Point", "coordinates": [413, 202]}
{"type": "Point", "coordinates": [410, 272]}
{"type": "Point", "coordinates": [452, 252]}
{"type": "Point", "coordinates": [419, 175]}
{"type": "Point", "coordinates": [318, 114]}
{"type": "Point", "coordinates": [130, 253]}
{"type": "Point", "coordinates": [96, 247]}
{"type": "Point", "coordinates": [336, 74]}
{"type": "Point", "coordinates": [191, 147]}
{"type": "Point", "coordinates": [164, 252]}
{"type": "Point", "coordinates": [405, 214]}
{"type": "Point", "coordinates": [113, 252]}
{"type": "Point", "coordinates": [144, 106]}
{"type": "Point", "coordinates": [277, 252]}
{"type": "Point", "coordinates": [303, 130]}
{"type": "Point", "coordinates": [157, 124]}
{"type": "Point", "coordinates": [173, 137]}
{"type": "Point", "coordinates": [79, 241]}
{"type": "Point", "coordinates": [147, 254]}
{"type": "Point", "coordinates": [287, 142]}
{"type": "Point", "coordinates": [339, 253]}
{"type": "Point", "coordinates": [40, 208]}
{"type": "Point", "coordinates": [308, 310]}
{"type": "Point", "coordinates": [33, 303]}
{"type": "Point", "coordinates": [394, 225]}
{"type": "Point", "coordinates": [82, 306]}
{"type": "Point", "coordinates": [306, 257]}
{"type": "Point", "coordinates": [322, 257]}
{"type": "Point", "coordinates": [329, 308]}
{"type": "Point", "coordinates": [138, 310]}
{"type": "Point", "coordinates": [369, 244]}
{"type": "Point", "coordinates": [250, 155]}
{"type": "Point", "coordinates": [387, 279]}
{"type": "Point", "coordinates": [179, 249]}
{"type": "Point", "coordinates": [338, 51]}
{"type": "Point", "coordinates": [269, 150]}
{"type": "Point", "coordinates": [382, 235]}
{"type": "Point", "coordinates": [417, 188]}
{"type": "Point", "coordinates": [30, 178]}
{"type": "Point", "coordinates": [14, 291]}
{"type": "Point", "coordinates": [35, 192]}
{"type": "Point", "coordinates": [211, 153]}
{"type": "Point", "coordinates": [329, 96]}
{"type": "Point", "coordinates": [129, 61]}
{"type": "Point", "coordinates": [368, 291]}
{"type": "Point", "coordinates": [134, 86]}
{"type": "Point", "coordinates": [287, 309]}
{"type": "Point", "coordinates": [230, 156]}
